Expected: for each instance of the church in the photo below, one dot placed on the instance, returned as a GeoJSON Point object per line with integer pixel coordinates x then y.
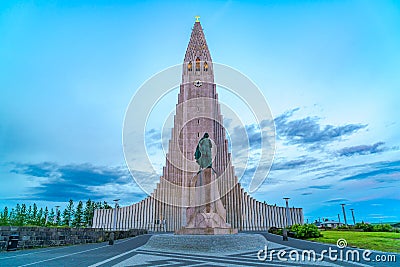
{"type": "Point", "coordinates": [197, 112]}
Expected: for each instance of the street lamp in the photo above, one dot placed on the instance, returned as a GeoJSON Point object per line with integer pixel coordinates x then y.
{"type": "Point", "coordinates": [344, 214]}
{"type": "Point", "coordinates": [115, 214]}
{"type": "Point", "coordinates": [352, 214]}
{"type": "Point", "coordinates": [288, 221]}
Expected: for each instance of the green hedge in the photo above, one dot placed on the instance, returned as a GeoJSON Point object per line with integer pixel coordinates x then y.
{"type": "Point", "coordinates": [305, 231]}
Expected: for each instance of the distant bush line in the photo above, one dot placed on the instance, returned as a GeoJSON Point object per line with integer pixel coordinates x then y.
{"type": "Point", "coordinates": [81, 216]}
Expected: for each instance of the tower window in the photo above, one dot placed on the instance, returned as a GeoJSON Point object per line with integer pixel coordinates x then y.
{"type": "Point", "coordinates": [190, 66]}
{"type": "Point", "coordinates": [198, 134]}
{"type": "Point", "coordinates": [205, 66]}
{"type": "Point", "coordinates": [198, 121]}
{"type": "Point", "coordinates": [197, 64]}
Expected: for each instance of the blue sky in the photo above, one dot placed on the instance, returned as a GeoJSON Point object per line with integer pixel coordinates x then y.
{"type": "Point", "coordinates": [329, 70]}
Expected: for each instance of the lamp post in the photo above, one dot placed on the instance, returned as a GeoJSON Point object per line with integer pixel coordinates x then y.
{"type": "Point", "coordinates": [55, 216]}
{"type": "Point", "coordinates": [288, 221]}
{"type": "Point", "coordinates": [344, 214]}
{"type": "Point", "coordinates": [115, 214]}
{"type": "Point", "coordinates": [352, 214]}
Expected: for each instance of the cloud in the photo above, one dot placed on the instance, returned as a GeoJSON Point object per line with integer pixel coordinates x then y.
{"type": "Point", "coordinates": [309, 133]}
{"type": "Point", "coordinates": [361, 150]}
{"type": "Point", "coordinates": [153, 139]}
{"type": "Point", "coordinates": [293, 164]}
{"type": "Point", "coordinates": [76, 181]}
{"type": "Point", "coordinates": [336, 200]}
{"type": "Point", "coordinates": [320, 186]}
{"type": "Point", "coordinates": [382, 172]}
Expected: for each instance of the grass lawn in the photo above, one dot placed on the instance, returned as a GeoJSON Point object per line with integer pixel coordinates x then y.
{"type": "Point", "coordinates": [382, 241]}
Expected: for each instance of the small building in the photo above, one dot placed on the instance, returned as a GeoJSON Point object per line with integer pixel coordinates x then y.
{"type": "Point", "coordinates": [330, 224]}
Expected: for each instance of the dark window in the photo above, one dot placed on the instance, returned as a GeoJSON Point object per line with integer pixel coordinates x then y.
{"type": "Point", "coordinates": [197, 64]}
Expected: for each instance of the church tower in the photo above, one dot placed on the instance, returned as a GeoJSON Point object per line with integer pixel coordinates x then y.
{"type": "Point", "coordinates": [197, 112]}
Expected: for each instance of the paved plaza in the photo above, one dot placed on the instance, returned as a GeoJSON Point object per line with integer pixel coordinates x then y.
{"type": "Point", "coordinates": [135, 252]}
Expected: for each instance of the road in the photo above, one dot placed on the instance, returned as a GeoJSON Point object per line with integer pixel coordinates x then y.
{"type": "Point", "coordinates": [99, 254]}
{"type": "Point", "coordinates": [128, 252]}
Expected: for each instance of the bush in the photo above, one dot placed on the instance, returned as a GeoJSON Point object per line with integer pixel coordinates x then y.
{"type": "Point", "coordinates": [366, 227]}
{"type": "Point", "coordinates": [305, 231]}
{"type": "Point", "coordinates": [274, 230]}
{"type": "Point", "coordinates": [382, 228]}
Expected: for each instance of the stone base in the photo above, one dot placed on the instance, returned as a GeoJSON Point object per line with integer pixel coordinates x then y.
{"type": "Point", "coordinates": [206, 244]}
{"type": "Point", "coordinates": [206, 231]}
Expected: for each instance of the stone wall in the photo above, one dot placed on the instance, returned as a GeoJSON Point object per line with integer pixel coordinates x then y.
{"type": "Point", "coordinates": [30, 237]}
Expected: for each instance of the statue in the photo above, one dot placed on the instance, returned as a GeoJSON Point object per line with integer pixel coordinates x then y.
{"type": "Point", "coordinates": [203, 152]}
{"type": "Point", "coordinates": [205, 214]}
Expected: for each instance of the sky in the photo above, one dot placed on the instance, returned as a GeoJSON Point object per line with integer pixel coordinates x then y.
{"type": "Point", "coordinates": [328, 69]}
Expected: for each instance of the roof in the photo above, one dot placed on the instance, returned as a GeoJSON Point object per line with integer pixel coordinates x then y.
{"type": "Point", "coordinates": [197, 47]}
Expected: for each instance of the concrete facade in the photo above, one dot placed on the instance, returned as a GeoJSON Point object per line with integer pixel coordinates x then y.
{"type": "Point", "coordinates": [197, 112]}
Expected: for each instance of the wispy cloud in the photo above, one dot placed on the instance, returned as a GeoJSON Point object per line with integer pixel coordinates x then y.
{"type": "Point", "coordinates": [336, 200]}
{"type": "Point", "coordinates": [320, 186]}
{"type": "Point", "coordinates": [293, 164]}
{"type": "Point", "coordinates": [379, 171]}
{"type": "Point", "coordinates": [361, 150]}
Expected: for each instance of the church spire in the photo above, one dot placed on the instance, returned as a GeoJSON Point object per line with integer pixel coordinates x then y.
{"type": "Point", "coordinates": [197, 48]}
{"type": "Point", "coordinates": [197, 65]}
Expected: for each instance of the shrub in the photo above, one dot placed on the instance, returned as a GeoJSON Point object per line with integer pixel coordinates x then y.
{"type": "Point", "coordinates": [366, 227]}
{"type": "Point", "coordinates": [274, 230]}
{"type": "Point", "coordinates": [382, 228]}
{"type": "Point", "coordinates": [305, 231]}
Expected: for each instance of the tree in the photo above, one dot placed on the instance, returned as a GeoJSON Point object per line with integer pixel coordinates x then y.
{"type": "Point", "coordinates": [4, 217]}
{"type": "Point", "coordinates": [106, 206]}
{"type": "Point", "coordinates": [23, 215]}
{"type": "Point", "coordinates": [34, 214]}
{"type": "Point", "coordinates": [78, 216]}
{"type": "Point", "coordinates": [39, 217]}
{"type": "Point", "coordinates": [58, 217]}
{"type": "Point", "coordinates": [28, 219]}
{"type": "Point", "coordinates": [16, 219]}
{"type": "Point", "coordinates": [68, 213]}
{"type": "Point", "coordinates": [11, 218]}
{"type": "Point", "coordinates": [88, 213]}
{"type": "Point", "coordinates": [52, 217]}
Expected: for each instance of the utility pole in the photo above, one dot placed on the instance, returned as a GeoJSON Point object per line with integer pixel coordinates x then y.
{"type": "Point", "coordinates": [352, 214]}
{"type": "Point", "coordinates": [344, 214]}
{"type": "Point", "coordinates": [288, 221]}
{"type": "Point", "coordinates": [115, 214]}
{"type": "Point", "coordinates": [55, 216]}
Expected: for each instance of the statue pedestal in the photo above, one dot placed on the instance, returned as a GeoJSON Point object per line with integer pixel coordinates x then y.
{"type": "Point", "coordinates": [206, 214]}
{"type": "Point", "coordinates": [206, 231]}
